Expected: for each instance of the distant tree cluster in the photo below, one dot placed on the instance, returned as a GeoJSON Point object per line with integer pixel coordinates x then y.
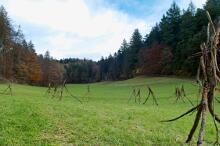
{"type": "Point", "coordinates": [18, 60]}
{"type": "Point", "coordinates": [80, 71]}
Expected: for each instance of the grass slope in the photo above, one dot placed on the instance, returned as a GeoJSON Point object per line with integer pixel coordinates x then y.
{"type": "Point", "coordinates": [30, 117]}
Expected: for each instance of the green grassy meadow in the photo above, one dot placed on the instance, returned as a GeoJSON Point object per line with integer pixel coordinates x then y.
{"type": "Point", "coordinates": [31, 117]}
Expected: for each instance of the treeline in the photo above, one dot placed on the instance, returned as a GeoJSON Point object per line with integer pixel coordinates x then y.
{"type": "Point", "coordinates": [167, 50]}
{"type": "Point", "coordinates": [18, 60]}
{"type": "Point", "coordinates": [80, 71]}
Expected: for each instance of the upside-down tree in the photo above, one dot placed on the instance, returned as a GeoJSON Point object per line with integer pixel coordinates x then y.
{"type": "Point", "coordinates": [151, 93]}
{"type": "Point", "coordinates": [181, 95]}
{"type": "Point", "coordinates": [208, 78]}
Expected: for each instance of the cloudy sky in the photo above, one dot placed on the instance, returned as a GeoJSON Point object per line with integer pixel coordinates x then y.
{"type": "Point", "coordinates": [85, 28]}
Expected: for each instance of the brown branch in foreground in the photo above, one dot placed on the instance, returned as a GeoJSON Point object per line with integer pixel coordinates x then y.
{"type": "Point", "coordinates": [195, 125]}
{"type": "Point", "coordinates": [186, 113]}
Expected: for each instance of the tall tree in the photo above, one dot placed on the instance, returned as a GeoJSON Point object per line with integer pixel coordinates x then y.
{"type": "Point", "coordinates": [170, 28]}
{"type": "Point", "coordinates": [136, 44]}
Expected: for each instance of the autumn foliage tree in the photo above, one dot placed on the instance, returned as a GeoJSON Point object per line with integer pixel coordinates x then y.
{"type": "Point", "coordinates": [152, 63]}
{"type": "Point", "coordinates": [18, 59]}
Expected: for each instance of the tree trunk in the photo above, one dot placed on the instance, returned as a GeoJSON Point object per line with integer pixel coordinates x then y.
{"type": "Point", "coordinates": [203, 118]}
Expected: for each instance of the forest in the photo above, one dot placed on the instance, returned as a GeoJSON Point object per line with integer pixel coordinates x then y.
{"type": "Point", "coordinates": [143, 94]}
{"type": "Point", "coordinates": [169, 49]}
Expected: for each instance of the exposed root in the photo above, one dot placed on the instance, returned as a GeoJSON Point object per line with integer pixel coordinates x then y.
{"type": "Point", "coordinates": [195, 125]}
{"type": "Point", "coordinates": [186, 113]}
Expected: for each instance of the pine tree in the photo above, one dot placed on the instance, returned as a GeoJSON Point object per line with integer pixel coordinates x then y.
{"type": "Point", "coordinates": [136, 44]}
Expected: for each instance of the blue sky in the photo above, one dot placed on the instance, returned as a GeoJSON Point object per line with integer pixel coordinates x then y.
{"type": "Point", "coordinates": [86, 28]}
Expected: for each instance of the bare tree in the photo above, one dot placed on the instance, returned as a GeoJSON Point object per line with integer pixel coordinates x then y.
{"type": "Point", "coordinates": [208, 78]}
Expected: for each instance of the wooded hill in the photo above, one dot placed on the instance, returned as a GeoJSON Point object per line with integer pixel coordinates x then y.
{"type": "Point", "coordinates": [169, 49]}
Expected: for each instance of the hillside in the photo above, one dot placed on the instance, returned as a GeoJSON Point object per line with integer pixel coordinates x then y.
{"type": "Point", "coordinates": [31, 117]}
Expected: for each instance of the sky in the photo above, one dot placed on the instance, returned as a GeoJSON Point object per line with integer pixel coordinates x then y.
{"type": "Point", "coordinates": [86, 28]}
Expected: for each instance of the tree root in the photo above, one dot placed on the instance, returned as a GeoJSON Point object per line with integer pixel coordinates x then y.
{"type": "Point", "coordinates": [186, 113]}
{"type": "Point", "coordinates": [211, 109]}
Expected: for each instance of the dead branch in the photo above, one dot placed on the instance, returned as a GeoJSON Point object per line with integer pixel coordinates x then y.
{"type": "Point", "coordinates": [195, 125]}
{"type": "Point", "coordinates": [186, 113]}
{"type": "Point", "coordinates": [151, 93]}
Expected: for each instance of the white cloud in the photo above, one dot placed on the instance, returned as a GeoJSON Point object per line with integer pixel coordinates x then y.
{"type": "Point", "coordinates": [76, 30]}
{"type": "Point", "coordinates": [75, 18]}
{"type": "Point", "coordinates": [197, 3]}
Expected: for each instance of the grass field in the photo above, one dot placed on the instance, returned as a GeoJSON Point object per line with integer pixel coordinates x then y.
{"type": "Point", "coordinates": [30, 117]}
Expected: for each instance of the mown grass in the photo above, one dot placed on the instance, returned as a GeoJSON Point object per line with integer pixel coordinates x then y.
{"type": "Point", "coordinates": [30, 117]}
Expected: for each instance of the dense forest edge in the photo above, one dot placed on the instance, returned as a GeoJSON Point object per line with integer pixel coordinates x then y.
{"type": "Point", "coordinates": [169, 49]}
